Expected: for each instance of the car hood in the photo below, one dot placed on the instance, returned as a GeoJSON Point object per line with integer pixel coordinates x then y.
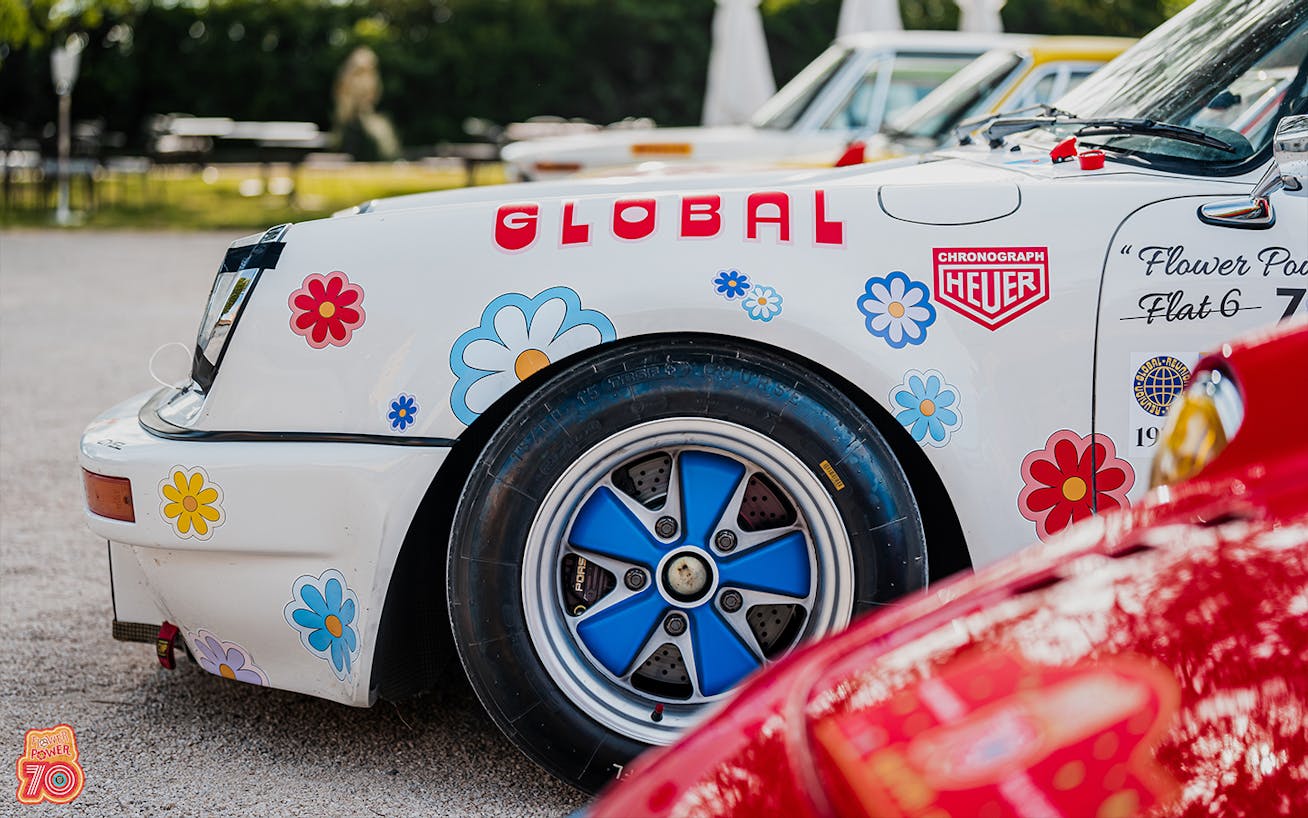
{"type": "Point", "coordinates": [1150, 587]}
{"type": "Point", "coordinates": [974, 166]}
{"type": "Point", "coordinates": [976, 171]}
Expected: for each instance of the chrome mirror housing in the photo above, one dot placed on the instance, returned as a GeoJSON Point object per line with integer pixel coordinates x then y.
{"type": "Point", "coordinates": [1289, 170]}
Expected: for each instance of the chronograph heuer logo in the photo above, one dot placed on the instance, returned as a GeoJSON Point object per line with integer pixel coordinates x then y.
{"type": "Point", "coordinates": [991, 285]}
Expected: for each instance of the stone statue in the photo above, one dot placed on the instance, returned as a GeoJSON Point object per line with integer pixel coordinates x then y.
{"type": "Point", "coordinates": [359, 129]}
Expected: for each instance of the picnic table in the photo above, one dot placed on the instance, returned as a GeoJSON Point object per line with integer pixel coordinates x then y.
{"type": "Point", "coordinates": [195, 139]}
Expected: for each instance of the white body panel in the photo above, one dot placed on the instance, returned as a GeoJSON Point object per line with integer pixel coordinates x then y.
{"type": "Point", "coordinates": [321, 506]}
{"type": "Point", "coordinates": [1023, 372]}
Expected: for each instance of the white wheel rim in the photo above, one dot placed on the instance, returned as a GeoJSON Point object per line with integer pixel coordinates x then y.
{"type": "Point", "coordinates": [601, 685]}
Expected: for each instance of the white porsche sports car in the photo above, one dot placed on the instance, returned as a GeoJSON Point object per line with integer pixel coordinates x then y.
{"type": "Point", "coordinates": [615, 445]}
{"type": "Point", "coordinates": [852, 87]}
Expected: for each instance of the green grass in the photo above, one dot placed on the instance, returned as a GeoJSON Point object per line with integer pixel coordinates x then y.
{"type": "Point", "coordinates": [179, 199]}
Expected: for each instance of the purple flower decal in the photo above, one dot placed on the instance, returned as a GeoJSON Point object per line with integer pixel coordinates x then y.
{"type": "Point", "coordinates": [226, 659]}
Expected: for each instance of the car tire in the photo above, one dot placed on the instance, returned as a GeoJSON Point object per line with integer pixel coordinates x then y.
{"type": "Point", "coordinates": [595, 618]}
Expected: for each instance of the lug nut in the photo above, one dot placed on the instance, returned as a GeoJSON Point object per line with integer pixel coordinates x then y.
{"type": "Point", "coordinates": [666, 528]}
{"type": "Point", "coordinates": [730, 601]}
{"type": "Point", "coordinates": [675, 624]}
{"type": "Point", "coordinates": [635, 579]}
{"type": "Point", "coordinates": [725, 540]}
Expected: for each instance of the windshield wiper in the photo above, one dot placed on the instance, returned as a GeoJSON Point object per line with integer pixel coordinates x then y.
{"type": "Point", "coordinates": [1107, 126]}
{"type": "Point", "coordinates": [963, 130]}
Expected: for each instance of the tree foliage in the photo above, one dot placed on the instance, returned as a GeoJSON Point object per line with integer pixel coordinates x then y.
{"type": "Point", "coordinates": [441, 60]}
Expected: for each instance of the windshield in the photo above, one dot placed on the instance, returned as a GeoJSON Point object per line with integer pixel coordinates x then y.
{"type": "Point", "coordinates": [958, 98]}
{"type": "Point", "coordinates": [1230, 68]}
{"type": "Point", "coordinates": [789, 104]}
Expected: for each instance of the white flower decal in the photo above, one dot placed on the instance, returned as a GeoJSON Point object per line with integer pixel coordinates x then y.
{"type": "Point", "coordinates": [519, 336]}
{"type": "Point", "coordinates": [762, 303]}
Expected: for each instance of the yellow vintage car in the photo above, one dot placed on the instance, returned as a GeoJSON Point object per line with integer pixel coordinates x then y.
{"type": "Point", "coordinates": [1012, 77]}
{"type": "Point", "coordinates": [1026, 70]}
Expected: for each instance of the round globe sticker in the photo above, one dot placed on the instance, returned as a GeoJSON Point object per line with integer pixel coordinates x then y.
{"type": "Point", "coordinates": [1158, 381]}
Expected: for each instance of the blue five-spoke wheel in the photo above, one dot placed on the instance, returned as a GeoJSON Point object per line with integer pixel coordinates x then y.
{"type": "Point", "coordinates": [674, 559]}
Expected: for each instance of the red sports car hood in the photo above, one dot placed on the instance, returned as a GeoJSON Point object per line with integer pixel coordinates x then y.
{"type": "Point", "coordinates": [1154, 662]}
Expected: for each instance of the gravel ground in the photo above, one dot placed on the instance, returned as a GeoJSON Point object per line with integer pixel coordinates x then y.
{"type": "Point", "coordinates": [80, 314]}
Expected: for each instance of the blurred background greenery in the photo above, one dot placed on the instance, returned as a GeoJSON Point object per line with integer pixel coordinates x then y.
{"type": "Point", "coordinates": [441, 61]}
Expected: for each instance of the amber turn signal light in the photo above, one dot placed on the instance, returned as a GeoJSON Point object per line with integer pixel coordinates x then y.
{"type": "Point", "coordinates": [109, 496]}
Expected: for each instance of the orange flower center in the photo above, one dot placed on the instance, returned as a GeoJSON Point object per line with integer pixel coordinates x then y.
{"type": "Point", "coordinates": [1074, 488]}
{"type": "Point", "coordinates": [326, 309]}
{"type": "Point", "coordinates": [895, 309]}
{"type": "Point", "coordinates": [190, 503]}
{"type": "Point", "coordinates": [927, 408]}
{"type": "Point", "coordinates": [333, 625]}
{"type": "Point", "coordinates": [404, 413]}
{"type": "Point", "coordinates": [529, 362]}
{"type": "Point", "coordinates": [226, 672]}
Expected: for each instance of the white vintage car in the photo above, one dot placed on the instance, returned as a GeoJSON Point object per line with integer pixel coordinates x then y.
{"type": "Point", "coordinates": [626, 442]}
{"type": "Point", "coordinates": [852, 87]}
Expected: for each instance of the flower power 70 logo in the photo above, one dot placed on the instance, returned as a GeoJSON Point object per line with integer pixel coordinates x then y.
{"type": "Point", "coordinates": [48, 769]}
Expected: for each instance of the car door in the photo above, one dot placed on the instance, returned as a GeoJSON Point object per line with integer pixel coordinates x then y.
{"type": "Point", "coordinates": [1175, 287]}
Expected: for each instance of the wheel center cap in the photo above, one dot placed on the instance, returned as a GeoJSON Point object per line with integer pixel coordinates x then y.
{"type": "Point", "coordinates": [686, 576]}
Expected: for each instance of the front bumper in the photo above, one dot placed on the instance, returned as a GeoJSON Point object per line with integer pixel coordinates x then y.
{"type": "Point", "coordinates": [285, 511]}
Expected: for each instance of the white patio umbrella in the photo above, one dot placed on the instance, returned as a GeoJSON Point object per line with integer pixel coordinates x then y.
{"type": "Point", "coordinates": [868, 15]}
{"type": "Point", "coordinates": [980, 15]}
{"type": "Point", "coordinates": [739, 74]}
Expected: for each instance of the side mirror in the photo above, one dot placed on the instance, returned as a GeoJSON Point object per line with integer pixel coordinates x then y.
{"type": "Point", "coordinates": [1290, 147]}
{"type": "Point", "coordinates": [1289, 170]}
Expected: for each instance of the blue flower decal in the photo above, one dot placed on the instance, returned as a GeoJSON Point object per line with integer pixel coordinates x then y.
{"type": "Point", "coordinates": [403, 409]}
{"type": "Point", "coordinates": [928, 407]}
{"type": "Point", "coordinates": [323, 610]}
{"type": "Point", "coordinates": [897, 309]}
{"type": "Point", "coordinates": [517, 337]}
{"type": "Point", "coordinates": [731, 283]}
{"type": "Point", "coordinates": [763, 303]}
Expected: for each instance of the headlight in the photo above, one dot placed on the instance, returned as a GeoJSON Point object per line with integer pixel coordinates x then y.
{"type": "Point", "coordinates": [231, 288]}
{"type": "Point", "coordinates": [1202, 420]}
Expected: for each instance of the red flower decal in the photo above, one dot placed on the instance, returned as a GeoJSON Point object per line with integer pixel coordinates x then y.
{"type": "Point", "coordinates": [1071, 478]}
{"type": "Point", "coordinates": [327, 309]}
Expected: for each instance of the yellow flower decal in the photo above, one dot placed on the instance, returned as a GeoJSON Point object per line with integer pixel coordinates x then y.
{"type": "Point", "coordinates": [192, 502]}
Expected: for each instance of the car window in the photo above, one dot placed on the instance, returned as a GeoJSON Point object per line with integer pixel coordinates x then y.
{"type": "Point", "coordinates": [1227, 67]}
{"type": "Point", "coordinates": [1044, 89]}
{"type": "Point", "coordinates": [1074, 79]}
{"type": "Point", "coordinates": [785, 108]}
{"type": "Point", "coordinates": [911, 78]}
{"type": "Point", "coordinates": [1049, 86]}
{"type": "Point", "coordinates": [959, 97]}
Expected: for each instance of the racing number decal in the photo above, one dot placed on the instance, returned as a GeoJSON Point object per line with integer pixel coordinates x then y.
{"type": "Point", "coordinates": [1295, 296]}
